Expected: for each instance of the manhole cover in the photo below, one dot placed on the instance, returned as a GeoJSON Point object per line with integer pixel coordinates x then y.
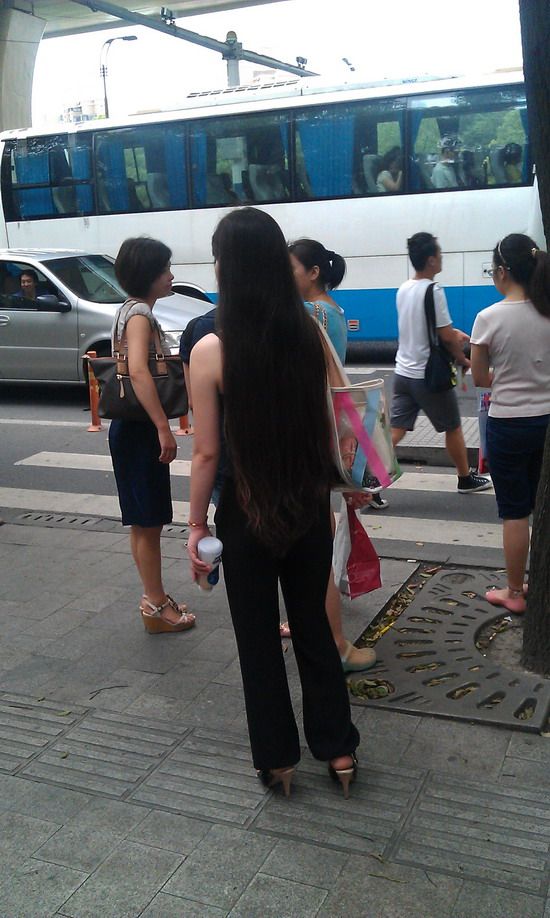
{"type": "Point", "coordinates": [79, 521]}
{"type": "Point", "coordinates": [430, 659]}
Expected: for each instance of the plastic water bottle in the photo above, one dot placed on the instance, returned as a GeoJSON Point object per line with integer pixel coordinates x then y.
{"type": "Point", "coordinates": [210, 550]}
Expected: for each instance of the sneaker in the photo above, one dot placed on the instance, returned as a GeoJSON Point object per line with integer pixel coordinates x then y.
{"type": "Point", "coordinates": [472, 482]}
{"type": "Point", "coordinates": [378, 502]}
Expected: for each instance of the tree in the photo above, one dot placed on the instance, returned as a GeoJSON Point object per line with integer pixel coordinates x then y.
{"type": "Point", "coordinates": [535, 38]}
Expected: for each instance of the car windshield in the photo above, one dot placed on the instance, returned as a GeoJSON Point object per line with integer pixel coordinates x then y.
{"type": "Point", "coordinates": [91, 277]}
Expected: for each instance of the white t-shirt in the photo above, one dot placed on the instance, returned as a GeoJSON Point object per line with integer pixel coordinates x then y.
{"type": "Point", "coordinates": [385, 174]}
{"type": "Point", "coordinates": [414, 346]}
{"type": "Point", "coordinates": [444, 175]}
{"type": "Point", "coordinates": [518, 339]}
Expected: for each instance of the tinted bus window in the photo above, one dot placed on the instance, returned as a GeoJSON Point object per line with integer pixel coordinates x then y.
{"type": "Point", "coordinates": [343, 150]}
{"type": "Point", "coordinates": [470, 140]}
{"type": "Point", "coordinates": [141, 169]}
{"type": "Point", "coordinates": [240, 160]}
{"type": "Point", "coordinates": [51, 176]}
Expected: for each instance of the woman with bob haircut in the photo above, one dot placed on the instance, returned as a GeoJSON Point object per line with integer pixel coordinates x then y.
{"type": "Point", "coordinates": [263, 382]}
{"type": "Point", "coordinates": [510, 353]}
{"type": "Point", "coordinates": [142, 450]}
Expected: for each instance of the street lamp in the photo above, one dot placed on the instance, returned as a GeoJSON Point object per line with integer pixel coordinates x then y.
{"type": "Point", "coordinates": [103, 64]}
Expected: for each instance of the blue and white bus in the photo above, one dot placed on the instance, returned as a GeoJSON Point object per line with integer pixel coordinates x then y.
{"type": "Point", "coordinates": [312, 157]}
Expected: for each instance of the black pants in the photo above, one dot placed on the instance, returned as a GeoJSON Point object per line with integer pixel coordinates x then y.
{"type": "Point", "coordinates": [252, 575]}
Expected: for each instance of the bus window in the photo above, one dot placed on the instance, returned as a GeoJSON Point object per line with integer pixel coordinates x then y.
{"type": "Point", "coordinates": [141, 169]}
{"type": "Point", "coordinates": [472, 140]}
{"type": "Point", "coordinates": [239, 160]}
{"type": "Point", "coordinates": [341, 152]}
{"type": "Point", "coordinates": [51, 176]}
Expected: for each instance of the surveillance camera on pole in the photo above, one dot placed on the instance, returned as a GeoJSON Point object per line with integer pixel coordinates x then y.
{"type": "Point", "coordinates": [232, 55]}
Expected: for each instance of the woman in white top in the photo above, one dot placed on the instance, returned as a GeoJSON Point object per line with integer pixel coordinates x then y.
{"type": "Point", "coordinates": [390, 177]}
{"type": "Point", "coordinates": [510, 353]}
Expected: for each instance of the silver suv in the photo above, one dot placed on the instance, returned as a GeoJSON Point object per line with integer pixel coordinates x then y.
{"type": "Point", "coordinates": [55, 305]}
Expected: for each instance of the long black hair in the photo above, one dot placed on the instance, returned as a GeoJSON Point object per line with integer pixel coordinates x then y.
{"type": "Point", "coordinates": [528, 265]}
{"type": "Point", "coordinates": [311, 254]}
{"type": "Point", "coordinates": [274, 381]}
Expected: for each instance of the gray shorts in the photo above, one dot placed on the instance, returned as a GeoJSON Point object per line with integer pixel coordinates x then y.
{"type": "Point", "coordinates": [411, 396]}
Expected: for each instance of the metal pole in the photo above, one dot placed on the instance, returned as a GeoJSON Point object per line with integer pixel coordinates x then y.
{"type": "Point", "coordinates": [233, 75]}
{"type": "Point", "coordinates": [103, 67]}
{"type": "Point", "coordinates": [103, 72]}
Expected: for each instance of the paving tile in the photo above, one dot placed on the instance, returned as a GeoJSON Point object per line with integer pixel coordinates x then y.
{"type": "Point", "coordinates": [27, 726]}
{"type": "Point", "coordinates": [152, 705]}
{"type": "Point", "coordinates": [35, 889]}
{"type": "Point", "coordinates": [457, 747]}
{"type": "Point", "coordinates": [106, 753]}
{"type": "Point", "coordinates": [533, 747]}
{"type": "Point", "coordinates": [309, 864]}
{"type": "Point", "coordinates": [188, 679]}
{"type": "Point", "coordinates": [368, 822]}
{"type": "Point", "coordinates": [59, 623]}
{"type": "Point", "coordinates": [525, 772]}
{"type": "Point", "coordinates": [216, 706]}
{"type": "Point", "coordinates": [168, 830]}
{"type": "Point", "coordinates": [21, 836]}
{"type": "Point", "coordinates": [108, 814]}
{"type": "Point", "coordinates": [164, 906]}
{"type": "Point", "coordinates": [221, 867]}
{"type": "Point", "coordinates": [272, 897]}
{"type": "Point", "coordinates": [476, 900]}
{"type": "Point", "coordinates": [208, 776]}
{"type": "Point", "coordinates": [80, 848]}
{"type": "Point", "coordinates": [33, 674]}
{"type": "Point", "coordinates": [41, 801]}
{"type": "Point", "coordinates": [385, 736]}
{"type": "Point", "coordinates": [218, 646]}
{"type": "Point", "coordinates": [366, 889]}
{"type": "Point", "coordinates": [482, 831]}
{"type": "Point", "coordinates": [124, 884]}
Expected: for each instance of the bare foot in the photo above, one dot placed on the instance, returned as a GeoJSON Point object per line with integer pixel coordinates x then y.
{"type": "Point", "coordinates": [512, 600]}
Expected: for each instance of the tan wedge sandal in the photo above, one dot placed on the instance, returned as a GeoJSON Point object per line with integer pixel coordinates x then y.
{"type": "Point", "coordinates": [154, 623]}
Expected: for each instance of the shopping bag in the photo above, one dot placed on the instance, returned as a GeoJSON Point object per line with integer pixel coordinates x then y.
{"type": "Point", "coordinates": [360, 431]}
{"type": "Point", "coordinates": [483, 414]}
{"type": "Point", "coordinates": [356, 564]}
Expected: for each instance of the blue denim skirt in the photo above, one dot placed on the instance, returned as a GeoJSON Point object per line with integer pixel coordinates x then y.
{"type": "Point", "coordinates": [143, 483]}
{"type": "Point", "coordinates": [515, 448]}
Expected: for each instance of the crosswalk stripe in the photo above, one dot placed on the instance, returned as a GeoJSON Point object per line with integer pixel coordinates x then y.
{"type": "Point", "coordinates": [383, 526]}
{"type": "Point", "coordinates": [86, 504]}
{"type": "Point", "coordinates": [443, 532]}
{"type": "Point", "coordinates": [436, 482]}
{"type": "Point", "coordinates": [90, 462]}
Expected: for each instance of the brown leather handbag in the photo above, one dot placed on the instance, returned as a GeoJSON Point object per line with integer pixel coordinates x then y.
{"type": "Point", "coordinates": [117, 399]}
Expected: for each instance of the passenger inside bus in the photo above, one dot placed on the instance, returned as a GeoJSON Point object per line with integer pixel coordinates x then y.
{"type": "Point", "coordinates": [390, 177]}
{"type": "Point", "coordinates": [505, 163]}
{"type": "Point", "coordinates": [445, 173]}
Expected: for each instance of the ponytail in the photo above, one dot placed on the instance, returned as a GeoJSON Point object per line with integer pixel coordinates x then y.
{"type": "Point", "coordinates": [311, 254]}
{"type": "Point", "coordinates": [529, 266]}
{"type": "Point", "coordinates": [539, 286]}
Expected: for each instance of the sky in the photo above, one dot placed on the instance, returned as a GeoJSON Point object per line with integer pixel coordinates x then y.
{"type": "Point", "coordinates": [402, 40]}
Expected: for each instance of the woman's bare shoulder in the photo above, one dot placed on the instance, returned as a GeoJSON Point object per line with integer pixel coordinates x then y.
{"type": "Point", "coordinates": [206, 356]}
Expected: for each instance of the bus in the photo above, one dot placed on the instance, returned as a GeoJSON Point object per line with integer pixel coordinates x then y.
{"type": "Point", "coordinates": [315, 159]}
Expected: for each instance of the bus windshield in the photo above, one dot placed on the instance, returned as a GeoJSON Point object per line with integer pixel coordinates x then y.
{"type": "Point", "coordinates": [90, 277]}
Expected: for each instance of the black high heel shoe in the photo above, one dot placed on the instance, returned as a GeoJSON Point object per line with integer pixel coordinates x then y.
{"type": "Point", "coordinates": [272, 776]}
{"type": "Point", "coordinates": [344, 775]}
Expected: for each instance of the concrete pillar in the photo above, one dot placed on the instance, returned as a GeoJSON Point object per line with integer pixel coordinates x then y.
{"type": "Point", "coordinates": [20, 35]}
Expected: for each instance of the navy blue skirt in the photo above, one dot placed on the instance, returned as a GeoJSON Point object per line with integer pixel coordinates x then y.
{"type": "Point", "coordinates": [142, 481]}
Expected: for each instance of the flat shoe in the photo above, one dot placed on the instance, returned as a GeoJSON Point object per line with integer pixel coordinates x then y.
{"type": "Point", "coordinates": [356, 659]}
{"type": "Point", "coordinates": [515, 604]}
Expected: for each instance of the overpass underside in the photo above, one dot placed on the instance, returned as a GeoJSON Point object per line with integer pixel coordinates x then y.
{"type": "Point", "coordinates": [23, 25]}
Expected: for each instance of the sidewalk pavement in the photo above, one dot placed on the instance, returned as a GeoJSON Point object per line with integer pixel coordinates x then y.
{"type": "Point", "coordinates": [126, 787]}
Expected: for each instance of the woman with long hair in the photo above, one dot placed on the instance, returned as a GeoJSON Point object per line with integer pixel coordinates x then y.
{"type": "Point", "coordinates": [142, 450]}
{"type": "Point", "coordinates": [510, 353]}
{"type": "Point", "coordinates": [261, 387]}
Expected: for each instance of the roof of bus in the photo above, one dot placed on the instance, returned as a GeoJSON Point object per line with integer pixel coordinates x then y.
{"type": "Point", "coordinates": [283, 94]}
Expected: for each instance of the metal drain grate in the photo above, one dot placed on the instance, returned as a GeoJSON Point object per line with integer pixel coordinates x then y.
{"type": "Point", "coordinates": [79, 521]}
{"type": "Point", "coordinates": [430, 658]}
